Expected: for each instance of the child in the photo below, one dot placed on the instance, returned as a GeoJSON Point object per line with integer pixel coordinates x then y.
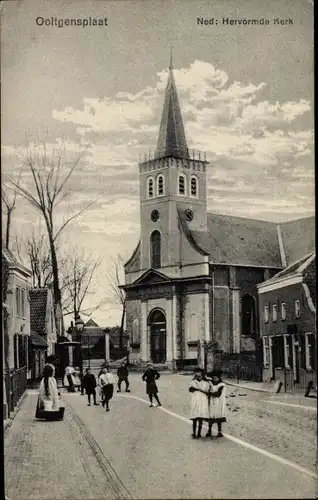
{"type": "Point", "coordinates": [150, 376]}
{"type": "Point", "coordinates": [89, 384]}
{"type": "Point", "coordinates": [107, 381]}
{"type": "Point", "coordinates": [122, 374]}
{"type": "Point", "coordinates": [199, 389]}
{"type": "Point", "coordinates": [217, 402]}
{"type": "Point", "coordinates": [48, 405]}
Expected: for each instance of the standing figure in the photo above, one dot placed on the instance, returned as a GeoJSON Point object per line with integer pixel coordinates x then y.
{"type": "Point", "coordinates": [199, 410]}
{"type": "Point", "coordinates": [48, 405]}
{"type": "Point", "coordinates": [122, 374]}
{"type": "Point", "coordinates": [77, 379]}
{"type": "Point", "coordinates": [217, 410]}
{"type": "Point", "coordinates": [150, 376]}
{"type": "Point", "coordinates": [89, 384]}
{"type": "Point", "coordinates": [69, 380]}
{"type": "Point", "coordinates": [107, 381]}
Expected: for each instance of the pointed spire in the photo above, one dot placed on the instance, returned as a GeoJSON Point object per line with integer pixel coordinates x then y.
{"type": "Point", "coordinates": [171, 140]}
{"type": "Point", "coordinates": [171, 63]}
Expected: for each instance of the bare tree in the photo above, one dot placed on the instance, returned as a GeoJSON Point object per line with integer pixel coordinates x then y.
{"type": "Point", "coordinates": [50, 172]}
{"type": "Point", "coordinates": [9, 200]}
{"type": "Point", "coordinates": [79, 281]}
{"type": "Point", "coordinates": [119, 295]}
{"type": "Point", "coordinates": [38, 254]}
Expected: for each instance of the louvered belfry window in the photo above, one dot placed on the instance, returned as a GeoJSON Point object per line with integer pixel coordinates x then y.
{"type": "Point", "coordinates": [155, 247]}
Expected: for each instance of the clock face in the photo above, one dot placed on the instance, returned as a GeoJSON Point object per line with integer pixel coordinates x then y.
{"type": "Point", "coordinates": [154, 215]}
{"type": "Point", "coordinates": [189, 215]}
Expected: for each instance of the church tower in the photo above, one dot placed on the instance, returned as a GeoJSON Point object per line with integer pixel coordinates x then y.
{"type": "Point", "coordinates": [172, 186]}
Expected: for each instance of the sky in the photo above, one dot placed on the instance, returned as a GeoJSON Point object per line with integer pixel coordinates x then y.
{"type": "Point", "coordinates": [246, 97]}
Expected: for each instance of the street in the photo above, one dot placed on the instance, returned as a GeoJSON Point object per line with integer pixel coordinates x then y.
{"type": "Point", "coordinates": [133, 451]}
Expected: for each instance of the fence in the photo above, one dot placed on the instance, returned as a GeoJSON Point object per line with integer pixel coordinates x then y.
{"type": "Point", "coordinates": [16, 385]}
{"type": "Point", "coordinates": [239, 366]}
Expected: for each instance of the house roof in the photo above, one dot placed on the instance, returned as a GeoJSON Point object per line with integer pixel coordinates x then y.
{"type": "Point", "coordinates": [37, 340]}
{"type": "Point", "coordinates": [298, 238]}
{"type": "Point", "coordinates": [91, 322]}
{"type": "Point", "coordinates": [240, 241]}
{"type": "Point", "coordinates": [8, 256]}
{"type": "Point", "coordinates": [295, 269]}
{"type": "Point", "coordinates": [38, 301]}
{"type": "Point", "coordinates": [92, 328]}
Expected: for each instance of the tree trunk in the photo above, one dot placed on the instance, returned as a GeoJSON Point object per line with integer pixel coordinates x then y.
{"type": "Point", "coordinates": [121, 333]}
{"type": "Point", "coordinates": [56, 285]}
{"type": "Point", "coordinates": [8, 227]}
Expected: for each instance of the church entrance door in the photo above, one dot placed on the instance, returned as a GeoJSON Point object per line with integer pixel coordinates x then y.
{"type": "Point", "coordinates": [157, 322]}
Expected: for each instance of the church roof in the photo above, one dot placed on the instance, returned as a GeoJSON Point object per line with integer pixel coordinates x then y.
{"type": "Point", "coordinates": [250, 242]}
{"type": "Point", "coordinates": [239, 241]}
{"type": "Point", "coordinates": [171, 140]}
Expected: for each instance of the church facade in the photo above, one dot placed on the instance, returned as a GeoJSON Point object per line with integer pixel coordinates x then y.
{"type": "Point", "coordinates": [194, 275]}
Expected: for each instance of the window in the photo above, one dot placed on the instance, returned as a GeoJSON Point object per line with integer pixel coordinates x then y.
{"type": "Point", "coordinates": [150, 187]}
{"type": "Point", "coordinates": [310, 351]}
{"type": "Point", "coordinates": [160, 185]}
{"type": "Point", "coordinates": [155, 249]}
{"type": "Point", "coordinates": [15, 350]}
{"type": "Point", "coordinates": [283, 310]}
{"type": "Point", "coordinates": [297, 308]}
{"type": "Point", "coordinates": [23, 303]}
{"type": "Point", "coordinates": [135, 332]}
{"type": "Point", "coordinates": [288, 351]}
{"type": "Point", "coordinates": [266, 314]}
{"type": "Point", "coordinates": [266, 351]}
{"type": "Point", "coordinates": [17, 301]}
{"type": "Point", "coordinates": [274, 312]}
{"type": "Point", "coordinates": [194, 186]}
{"type": "Point", "coordinates": [182, 184]}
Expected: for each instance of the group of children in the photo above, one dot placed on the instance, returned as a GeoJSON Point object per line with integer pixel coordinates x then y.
{"type": "Point", "coordinates": [106, 383]}
{"type": "Point", "coordinates": [208, 403]}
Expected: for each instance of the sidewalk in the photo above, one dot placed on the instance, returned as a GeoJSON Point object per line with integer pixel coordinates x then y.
{"type": "Point", "coordinates": [51, 460]}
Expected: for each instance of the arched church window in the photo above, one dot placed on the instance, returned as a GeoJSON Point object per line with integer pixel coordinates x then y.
{"type": "Point", "coordinates": [182, 184]}
{"type": "Point", "coordinates": [160, 185]}
{"type": "Point", "coordinates": [135, 332]}
{"type": "Point", "coordinates": [194, 186]}
{"type": "Point", "coordinates": [150, 187]}
{"type": "Point", "coordinates": [155, 249]}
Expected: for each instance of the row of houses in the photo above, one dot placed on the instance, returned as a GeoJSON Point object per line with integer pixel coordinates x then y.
{"type": "Point", "coordinates": [28, 328]}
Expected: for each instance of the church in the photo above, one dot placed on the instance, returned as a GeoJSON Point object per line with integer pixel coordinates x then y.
{"type": "Point", "coordinates": [193, 276]}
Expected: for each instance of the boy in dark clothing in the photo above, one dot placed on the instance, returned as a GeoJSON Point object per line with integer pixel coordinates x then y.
{"type": "Point", "coordinates": [89, 384]}
{"type": "Point", "coordinates": [122, 374]}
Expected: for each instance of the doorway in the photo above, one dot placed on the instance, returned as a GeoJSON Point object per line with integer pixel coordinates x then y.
{"type": "Point", "coordinates": [157, 323]}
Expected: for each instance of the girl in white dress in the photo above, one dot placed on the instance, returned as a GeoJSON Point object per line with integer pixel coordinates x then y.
{"type": "Point", "coordinates": [199, 409]}
{"type": "Point", "coordinates": [217, 402]}
{"type": "Point", "coordinates": [48, 405]}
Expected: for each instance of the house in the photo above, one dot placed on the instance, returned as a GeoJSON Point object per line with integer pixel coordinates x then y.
{"type": "Point", "coordinates": [38, 347]}
{"type": "Point", "coordinates": [193, 276]}
{"type": "Point", "coordinates": [16, 326]}
{"type": "Point", "coordinates": [93, 341]}
{"type": "Point", "coordinates": [17, 321]}
{"type": "Point", "coordinates": [288, 324]}
{"type": "Point", "coordinates": [42, 316]}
